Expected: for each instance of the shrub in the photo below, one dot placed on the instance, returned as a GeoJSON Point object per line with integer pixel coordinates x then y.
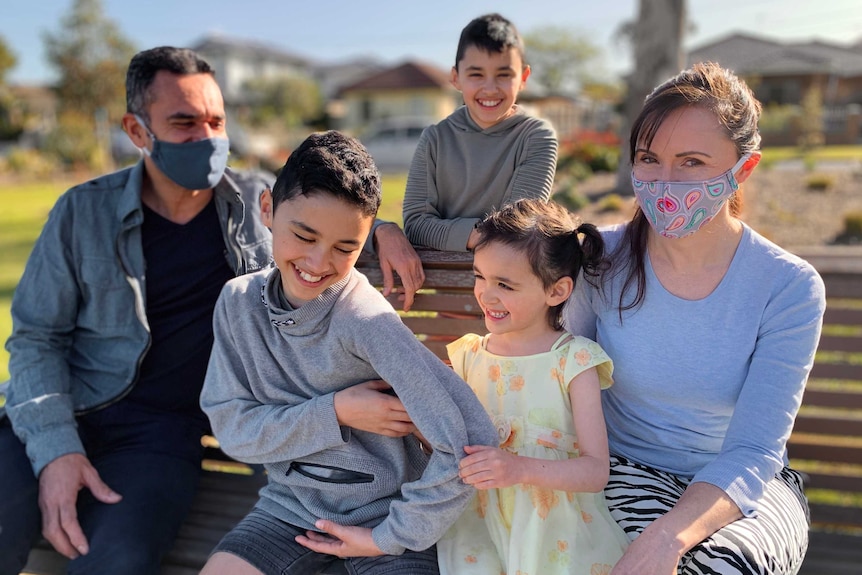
{"type": "Point", "coordinates": [819, 182]}
{"type": "Point", "coordinates": [599, 157]}
{"type": "Point", "coordinates": [571, 199]}
{"type": "Point", "coordinates": [611, 203]}
{"type": "Point", "coordinates": [75, 143]}
{"type": "Point", "coordinates": [27, 162]}
{"type": "Point", "coordinates": [853, 225]}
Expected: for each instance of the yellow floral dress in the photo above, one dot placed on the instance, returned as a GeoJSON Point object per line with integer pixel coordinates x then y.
{"type": "Point", "coordinates": [524, 529]}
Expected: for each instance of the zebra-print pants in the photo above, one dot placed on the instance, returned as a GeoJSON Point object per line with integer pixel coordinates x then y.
{"type": "Point", "coordinates": [772, 543]}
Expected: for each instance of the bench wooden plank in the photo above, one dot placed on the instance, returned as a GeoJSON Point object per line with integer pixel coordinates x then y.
{"type": "Point", "coordinates": [846, 371]}
{"type": "Point", "coordinates": [838, 315]}
{"type": "Point", "coordinates": [801, 449]}
{"type": "Point", "coordinates": [825, 398]}
{"type": "Point", "coordinates": [444, 326]}
{"type": "Point", "coordinates": [828, 425]}
{"type": "Point", "coordinates": [835, 482]}
{"type": "Point", "coordinates": [463, 303]}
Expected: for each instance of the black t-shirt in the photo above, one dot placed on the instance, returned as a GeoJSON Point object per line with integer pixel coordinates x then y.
{"type": "Point", "coordinates": [186, 267]}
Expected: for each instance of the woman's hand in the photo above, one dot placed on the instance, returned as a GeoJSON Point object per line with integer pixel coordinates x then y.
{"type": "Point", "coordinates": [489, 467]}
{"type": "Point", "coordinates": [649, 553]}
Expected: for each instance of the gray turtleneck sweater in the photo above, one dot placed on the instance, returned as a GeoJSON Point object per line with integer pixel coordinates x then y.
{"type": "Point", "coordinates": [269, 395]}
{"type": "Point", "coordinates": [461, 172]}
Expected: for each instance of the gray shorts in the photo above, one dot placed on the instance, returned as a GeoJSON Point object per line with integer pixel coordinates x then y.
{"type": "Point", "coordinates": [269, 544]}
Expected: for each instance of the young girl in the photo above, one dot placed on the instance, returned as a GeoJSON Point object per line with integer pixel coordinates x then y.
{"type": "Point", "coordinates": [539, 509]}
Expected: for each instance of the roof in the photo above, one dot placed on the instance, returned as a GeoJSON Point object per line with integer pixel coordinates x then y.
{"type": "Point", "coordinates": [748, 54]}
{"type": "Point", "coordinates": [408, 75]}
{"type": "Point", "coordinates": [218, 44]}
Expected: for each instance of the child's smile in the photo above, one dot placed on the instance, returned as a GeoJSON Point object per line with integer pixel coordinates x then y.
{"type": "Point", "coordinates": [489, 83]}
{"type": "Point", "coordinates": [316, 239]}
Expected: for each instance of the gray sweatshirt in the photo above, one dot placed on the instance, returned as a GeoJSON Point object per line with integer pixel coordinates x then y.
{"type": "Point", "coordinates": [269, 395]}
{"type": "Point", "coordinates": [461, 172]}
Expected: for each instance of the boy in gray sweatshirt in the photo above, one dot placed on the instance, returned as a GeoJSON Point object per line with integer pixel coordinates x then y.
{"type": "Point", "coordinates": [291, 345]}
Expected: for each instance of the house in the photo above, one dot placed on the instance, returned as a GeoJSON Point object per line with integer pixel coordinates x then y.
{"type": "Point", "coordinates": [783, 73]}
{"type": "Point", "coordinates": [236, 62]}
{"type": "Point", "coordinates": [409, 89]}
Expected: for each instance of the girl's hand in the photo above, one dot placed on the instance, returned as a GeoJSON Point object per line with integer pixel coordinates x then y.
{"type": "Point", "coordinates": [340, 540]}
{"type": "Point", "coordinates": [489, 467]}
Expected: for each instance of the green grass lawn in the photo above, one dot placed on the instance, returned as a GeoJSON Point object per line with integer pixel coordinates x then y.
{"type": "Point", "coordinates": [25, 210]}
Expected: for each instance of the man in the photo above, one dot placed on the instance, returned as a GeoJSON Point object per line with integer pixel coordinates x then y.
{"type": "Point", "coordinates": [113, 330]}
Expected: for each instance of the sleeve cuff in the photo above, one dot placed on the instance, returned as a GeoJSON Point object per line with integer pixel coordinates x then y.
{"type": "Point", "coordinates": [459, 233]}
{"type": "Point", "coordinates": [48, 445]}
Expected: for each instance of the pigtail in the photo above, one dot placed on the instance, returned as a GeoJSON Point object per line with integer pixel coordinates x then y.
{"type": "Point", "coordinates": [592, 251]}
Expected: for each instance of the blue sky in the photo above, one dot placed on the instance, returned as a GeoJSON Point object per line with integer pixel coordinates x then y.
{"type": "Point", "coordinates": [393, 30]}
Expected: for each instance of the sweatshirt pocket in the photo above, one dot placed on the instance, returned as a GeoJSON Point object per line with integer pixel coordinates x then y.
{"type": "Point", "coordinates": [339, 485]}
{"type": "Point", "coordinates": [329, 473]}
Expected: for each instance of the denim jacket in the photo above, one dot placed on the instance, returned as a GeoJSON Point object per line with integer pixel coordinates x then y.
{"type": "Point", "coordinates": [80, 327]}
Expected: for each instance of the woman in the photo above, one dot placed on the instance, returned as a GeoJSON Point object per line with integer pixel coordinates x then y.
{"type": "Point", "coordinates": [712, 329]}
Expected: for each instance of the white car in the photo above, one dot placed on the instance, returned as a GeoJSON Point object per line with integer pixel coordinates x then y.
{"type": "Point", "coordinates": [393, 141]}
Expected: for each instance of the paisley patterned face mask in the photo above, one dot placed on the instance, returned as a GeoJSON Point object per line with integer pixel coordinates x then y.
{"type": "Point", "coordinates": [678, 209]}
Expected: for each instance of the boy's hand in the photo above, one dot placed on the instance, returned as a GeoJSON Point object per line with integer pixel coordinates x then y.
{"type": "Point", "coordinates": [489, 467]}
{"type": "Point", "coordinates": [367, 406]}
{"type": "Point", "coordinates": [395, 253]}
{"type": "Point", "coordinates": [340, 540]}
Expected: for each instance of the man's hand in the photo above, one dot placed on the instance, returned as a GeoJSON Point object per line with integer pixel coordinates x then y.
{"type": "Point", "coordinates": [59, 484]}
{"type": "Point", "coordinates": [366, 406]}
{"type": "Point", "coordinates": [395, 253]}
{"type": "Point", "coordinates": [340, 540]}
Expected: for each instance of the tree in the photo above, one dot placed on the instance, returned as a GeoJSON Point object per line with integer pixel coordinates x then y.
{"type": "Point", "coordinates": [292, 101]}
{"type": "Point", "coordinates": [9, 127]}
{"type": "Point", "coordinates": [811, 119]}
{"type": "Point", "coordinates": [656, 39]}
{"type": "Point", "coordinates": [91, 56]}
{"type": "Point", "coordinates": [8, 60]}
{"type": "Point", "coordinates": [559, 59]}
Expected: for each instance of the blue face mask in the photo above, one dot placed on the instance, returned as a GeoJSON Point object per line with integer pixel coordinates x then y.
{"type": "Point", "coordinates": [195, 165]}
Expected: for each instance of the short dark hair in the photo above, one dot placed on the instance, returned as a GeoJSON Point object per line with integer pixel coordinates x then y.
{"type": "Point", "coordinates": [330, 162]}
{"type": "Point", "coordinates": [146, 64]}
{"type": "Point", "coordinates": [491, 33]}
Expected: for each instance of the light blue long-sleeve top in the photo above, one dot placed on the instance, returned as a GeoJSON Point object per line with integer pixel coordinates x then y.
{"type": "Point", "coordinates": [709, 389]}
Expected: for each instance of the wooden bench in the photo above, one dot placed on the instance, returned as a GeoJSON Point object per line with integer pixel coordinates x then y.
{"type": "Point", "coordinates": [827, 438]}
{"type": "Point", "coordinates": [828, 430]}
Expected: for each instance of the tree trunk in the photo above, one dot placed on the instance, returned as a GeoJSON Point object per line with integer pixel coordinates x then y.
{"type": "Point", "coordinates": [658, 55]}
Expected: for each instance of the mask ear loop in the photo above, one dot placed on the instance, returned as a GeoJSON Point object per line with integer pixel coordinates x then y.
{"type": "Point", "coordinates": [152, 136]}
{"type": "Point", "coordinates": [741, 163]}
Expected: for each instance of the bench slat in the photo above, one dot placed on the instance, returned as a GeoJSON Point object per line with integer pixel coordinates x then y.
{"type": "Point", "coordinates": [842, 316]}
{"type": "Point", "coordinates": [836, 515]}
{"type": "Point", "coordinates": [828, 425]}
{"type": "Point", "coordinates": [434, 279]}
{"type": "Point", "coordinates": [821, 398]}
{"type": "Point", "coordinates": [840, 343]}
{"type": "Point", "coordinates": [837, 371]}
{"type": "Point", "coordinates": [831, 481]}
{"type": "Point", "coordinates": [824, 452]}
{"type": "Point", "coordinates": [444, 326]}
{"type": "Point", "coordinates": [464, 303]}
{"type": "Point", "coordinates": [842, 285]}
